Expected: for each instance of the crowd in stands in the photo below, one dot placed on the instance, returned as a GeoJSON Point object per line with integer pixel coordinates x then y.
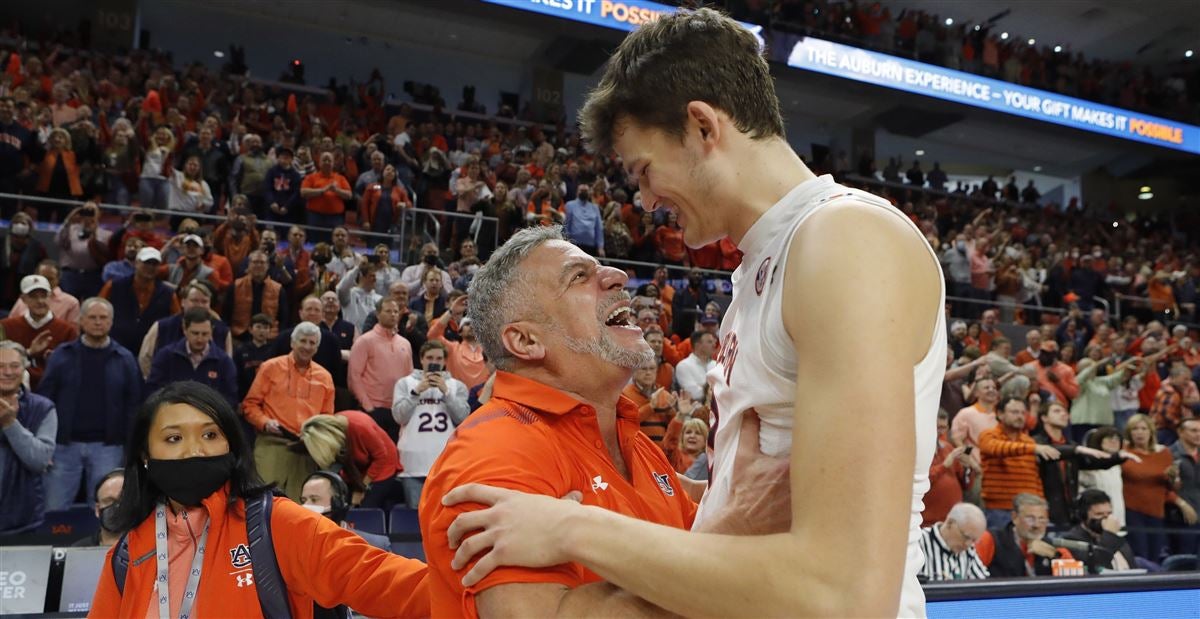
{"type": "Point", "coordinates": [949, 40]}
{"type": "Point", "coordinates": [362, 358]}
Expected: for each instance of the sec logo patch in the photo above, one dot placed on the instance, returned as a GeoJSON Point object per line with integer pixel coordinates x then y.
{"type": "Point", "coordinates": [760, 279]}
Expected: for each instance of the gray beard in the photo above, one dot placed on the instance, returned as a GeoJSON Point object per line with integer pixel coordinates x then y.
{"type": "Point", "coordinates": [605, 348]}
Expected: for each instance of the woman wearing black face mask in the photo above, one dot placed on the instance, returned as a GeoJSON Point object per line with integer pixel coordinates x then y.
{"type": "Point", "coordinates": [189, 475]}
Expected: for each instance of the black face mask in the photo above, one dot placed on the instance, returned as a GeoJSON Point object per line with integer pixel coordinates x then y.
{"type": "Point", "coordinates": [190, 480]}
{"type": "Point", "coordinates": [1095, 526]}
{"type": "Point", "coordinates": [107, 515]}
{"type": "Point", "coordinates": [431, 260]}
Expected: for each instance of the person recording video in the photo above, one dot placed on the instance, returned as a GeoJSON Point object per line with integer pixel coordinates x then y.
{"type": "Point", "coordinates": [428, 404]}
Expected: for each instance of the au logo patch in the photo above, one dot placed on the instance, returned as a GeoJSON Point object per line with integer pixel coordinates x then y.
{"type": "Point", "coordinates": [664, 483]}
{"type": "Point", "coordinates": [760, 279]}
{"type": "Point", "coordinates": [240, 557]}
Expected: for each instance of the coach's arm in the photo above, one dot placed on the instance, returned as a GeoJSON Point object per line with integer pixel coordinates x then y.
{"type": "Point", "coordinates": [859, 304]}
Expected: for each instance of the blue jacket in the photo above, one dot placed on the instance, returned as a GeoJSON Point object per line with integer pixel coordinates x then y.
{"type": "Point", "coordinates": [122, 376]}
{"type": "Point", "coordinates": [130, 322]}
{"type": "Point", "coordinates": [23, 489]}
{"type": "Point", "coordinates": [172, 365]}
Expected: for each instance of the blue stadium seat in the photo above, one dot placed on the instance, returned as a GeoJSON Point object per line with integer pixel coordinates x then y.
{"type": "Point", "coordinates": [403, 521]}
{"type": "Point", "coordinates": [367, 519]}
{"type": "Point", "coordinates": [412, 550]}
{"type": "Point", "coordinates": [71, 524]}
{"type": "Point", "coordinates": [1174, 563]}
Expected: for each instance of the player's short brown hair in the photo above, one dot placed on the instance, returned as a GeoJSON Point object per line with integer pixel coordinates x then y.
{"type": "Point", "coordinates": [699, 55]}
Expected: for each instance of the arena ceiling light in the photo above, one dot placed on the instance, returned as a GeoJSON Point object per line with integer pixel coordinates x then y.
{"type": "Point", "coordinates": [1032, 41]}
{"type": "Point", "coordinates": [1003, 36]}
{"type": "Point", "coordinates": [949, 21]}
{"type": "Point", "coordinates": [1057, 48]}
{"type": "Point", "coordinates": [1187, 54]}
{"type": "Point", "coordinates": [1037, 168]}
{"type": "Point", "coordinates": [920, 153]}
{"type": "Point", "coordinates": [218, 53]}
{"type": "Point", "coordinates": [1145, 193]}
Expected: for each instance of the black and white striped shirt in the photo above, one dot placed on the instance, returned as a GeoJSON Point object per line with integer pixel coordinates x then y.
{"type": "Point", "coordinates": [943, 564]}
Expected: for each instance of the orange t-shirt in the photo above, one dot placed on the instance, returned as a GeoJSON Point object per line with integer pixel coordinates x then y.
{"type": "Point", "coordinates": [327, 203]}
{"type": "Point", "coordinates": [536, 439]}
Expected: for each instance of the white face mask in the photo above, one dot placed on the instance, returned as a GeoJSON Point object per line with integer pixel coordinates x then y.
{"type": "Point", "coordinates": [316, 509]}
{"type": "Point", "coordinates": [20, 229]}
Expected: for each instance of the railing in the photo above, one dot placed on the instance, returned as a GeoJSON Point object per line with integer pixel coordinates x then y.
{"type": "Point", "coordinates": [408, 225]}
{"type": "Point", "coordinates": [1124, 302]}
{"type": "Point", "coordinates": [400, 238]}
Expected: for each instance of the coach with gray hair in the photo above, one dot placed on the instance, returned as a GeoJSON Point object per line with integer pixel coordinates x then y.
{"type": "Point", "coordinates": [287, 391]}
{"type": "Point", "coordinates": [96, 385]}
{"type": "Point", "coordinates": [28, 424]}
{"type": "Point", "coordinates": [559, 328]}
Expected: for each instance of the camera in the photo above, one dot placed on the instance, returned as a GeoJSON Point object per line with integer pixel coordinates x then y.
{"type": "Point", "coordinates": [434, 367]}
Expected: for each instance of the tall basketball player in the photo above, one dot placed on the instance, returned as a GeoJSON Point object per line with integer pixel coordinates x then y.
{"type": "Point", "coordinates": [835, 335]}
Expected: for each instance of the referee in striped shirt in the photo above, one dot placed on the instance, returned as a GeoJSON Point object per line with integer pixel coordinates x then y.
{"type": "Point", "coordinates": [949, 546]}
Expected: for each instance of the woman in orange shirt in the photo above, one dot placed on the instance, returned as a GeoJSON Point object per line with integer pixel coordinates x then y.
{"type": "Point", "coordinates": [1149, 485]}
{"type": "Point", "coordinates": [685, 439]}
{"type": "Point", "coordinates": [669, 239]}
{"type": "Point", "coordinates": [188, 477]}
{"type": "Point", "coordinates": [58, 175]}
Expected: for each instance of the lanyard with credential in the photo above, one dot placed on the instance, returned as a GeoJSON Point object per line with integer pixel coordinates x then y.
{"type": "Point", "coordinates": [193, 581]}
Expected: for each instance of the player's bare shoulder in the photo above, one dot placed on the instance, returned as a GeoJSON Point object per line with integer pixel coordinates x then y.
{"type": "Point", "coordinates": [855, 261]}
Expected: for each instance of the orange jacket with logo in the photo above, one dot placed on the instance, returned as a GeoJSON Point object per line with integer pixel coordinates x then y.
{"type": "Point", "coordinates": [319, 561]}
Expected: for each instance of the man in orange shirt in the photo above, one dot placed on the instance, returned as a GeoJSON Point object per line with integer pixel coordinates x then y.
{"type": "Point", "coordinates": [1055, 376]}
{"type": "Point", "coordinates": [286, 392]}
{"type": "Point", "coordinates": [1010, 461]}
{"type": "Point", "coordinates": [325, 192]}
{"type": "Point", "coordinates": [564, 344]}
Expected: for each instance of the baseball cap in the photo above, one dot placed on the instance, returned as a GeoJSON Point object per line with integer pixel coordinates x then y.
{"type": "Point", "coordinates": [191, 238]}
{"type": "Point", "coordinates": [709, 320]}
{"type": "Point", "coordinates": [29, 283]}
{"type": "Point", "coordinates": [146, 254]}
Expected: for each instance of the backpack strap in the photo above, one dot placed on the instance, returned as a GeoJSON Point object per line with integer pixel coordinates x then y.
{"type": "Point", "coordinates": [120, 563]}
{"type": "Point", "coordinates": [268, 580]}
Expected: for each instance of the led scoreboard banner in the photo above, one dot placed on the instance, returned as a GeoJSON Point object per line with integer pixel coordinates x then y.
{"type": "Point", "coordinates": [848, 62]}
{"type": "Point", "coordinates": [812, 54]}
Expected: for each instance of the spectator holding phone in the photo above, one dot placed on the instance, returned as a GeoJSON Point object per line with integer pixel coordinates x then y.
{"type": "Point", "coordinates": [427, 404]}
{"type": "Point", "coordinates": [83, 250]}
{"type": "Point", "coordinates": [948, 473]}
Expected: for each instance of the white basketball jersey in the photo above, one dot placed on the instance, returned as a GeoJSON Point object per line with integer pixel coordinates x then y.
{"type": "Point", "coordinates": [756, 364]}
